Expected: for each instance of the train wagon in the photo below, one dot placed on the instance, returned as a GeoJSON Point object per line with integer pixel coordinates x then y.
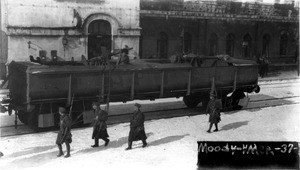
{"type": "Point", "coordinates": [37, 90]}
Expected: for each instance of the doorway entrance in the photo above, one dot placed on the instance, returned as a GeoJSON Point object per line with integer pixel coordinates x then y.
{"type": "Point", "coordinates": [99, 38]}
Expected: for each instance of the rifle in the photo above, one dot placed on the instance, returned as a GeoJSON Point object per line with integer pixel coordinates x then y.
{"type": "Point", "coordinates": [70, 111]}
{"type": "Point", "coordinates": [109, 55]}
{"type": "Point", "coordinates": [112, 54]}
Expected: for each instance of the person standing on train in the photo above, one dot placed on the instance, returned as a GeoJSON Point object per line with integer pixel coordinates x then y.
{"type": "Point", "coordinates": [99, 125]}
{"type": "Point", "coordinates": [137, 130]}
{"type": "Point", "coordinates": [64, 134]}
{"type": "Point", "coordinates": [213, 109]}
{"type": "Point", "coordinates": [124, 58]}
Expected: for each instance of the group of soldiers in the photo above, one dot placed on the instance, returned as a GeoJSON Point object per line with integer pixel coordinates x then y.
{"type": "Point", "coordinates": [137, 130]}
{"type": "Point", "coordinates": [104, 58]}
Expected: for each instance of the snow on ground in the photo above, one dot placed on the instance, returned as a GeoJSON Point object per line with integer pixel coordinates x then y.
{"type": "Point", "coordinates": [172, 142]}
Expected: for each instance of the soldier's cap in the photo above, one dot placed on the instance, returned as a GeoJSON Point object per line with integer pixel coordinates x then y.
{"type": "Point", "coordinates": [137, 105]}
{"type": "Point", "coordinates": [96, 104]}
{"type": "Point", "coordinates": [62, 109]}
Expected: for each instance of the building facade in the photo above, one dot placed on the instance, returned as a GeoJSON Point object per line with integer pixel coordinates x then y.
{"type": "Point", "coordinates": [67, 28]}
{"type": "Point", "coordinates": [242, 30]}
{"type": "Point", "coordinates": [154, 28]}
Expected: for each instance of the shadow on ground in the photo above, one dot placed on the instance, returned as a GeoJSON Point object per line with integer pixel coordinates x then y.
{"type": "Point", "coordinates": [259, 101]}
{"type": "Point", "coordinates": [167, 139]}
{"type": "Point", "coordinates": [234, 125]}
{"type": "Point", "coordinates": [164, 140]}
{"type": "Point", "coordinates": [32, 150]}
{"type": "Point", "coordinates": [33, 161]}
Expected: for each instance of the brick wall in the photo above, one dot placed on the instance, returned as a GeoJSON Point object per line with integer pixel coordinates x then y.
{"type": "Point", "coordinates": [201, 30]}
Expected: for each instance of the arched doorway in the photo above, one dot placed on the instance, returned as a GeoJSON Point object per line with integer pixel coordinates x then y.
{"type": "Point", "coordinates": [266, 44]}
{"type": "Point", "coordinates": [213, 44]}
{"type": "Point", "coordinates": [230, 45]}
{"type": "Point", "coordinates": [187, 42]}
{"type": "Point", "coordinates": [283, 44]}
{"type": "Point", "coordinates": [247, 40]}
{"type": "Point", "coordinates": [99, 38]}
{"type": "Point", "coordinates": [162, 45]}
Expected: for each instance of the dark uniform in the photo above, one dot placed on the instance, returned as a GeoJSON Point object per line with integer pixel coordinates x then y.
{"type": "Point", "coordinates": [137, 130]}
{"type": "Point", "coordinates": [263, 66]}
{"type": "Point", "coordinates": [213, 109]}
{"type": "Point", "coordinates": [100, 127]}
{"type": "Point", "coordinates": [64, 135]}
{"type": "Point", "coordinates": [214, 112]}
{"type": "Point", "coordinates": [124, 58]}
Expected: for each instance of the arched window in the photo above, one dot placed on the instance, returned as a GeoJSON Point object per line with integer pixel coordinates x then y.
{"type": "Point", "coordinates": [230, 45]}
{"type": "Point", "coordinates": [99, 38]}
{"type": "Point", "coordinates": [247, 40]}
{"type": "Point", "coordinates": [283, 44]}
{"type": "Point", "coordinates": [213, 44]}
{"type": "Point", "coordinates": [266, 43]}
{"type": "Point", "coordinates": [162, 45]}
{"type": "Point", "coordinates": [187, 42]}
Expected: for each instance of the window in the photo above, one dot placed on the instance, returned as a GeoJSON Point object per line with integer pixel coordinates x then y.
{"type": "Point", "coordinates": [247, 40]}
{"type": "Point", "coordinates": [187, 42]}
{"type": "Point", "coordinates": [213, 44]}
{"type": "Point", "coordinates": [283, 44]}
{"type": "Point", "coordinates": [162, 45]}
{"type": "Point", "coordinates": [266, 42]}
{"type": "Point", "coordinates": [230, 45]}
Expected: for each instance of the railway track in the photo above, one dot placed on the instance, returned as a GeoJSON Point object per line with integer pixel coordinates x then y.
{"type": "Point", "coordinates": [7, 131]}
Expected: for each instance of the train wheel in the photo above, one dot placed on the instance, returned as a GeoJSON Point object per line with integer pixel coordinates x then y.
{"type": "Point", "coordinates": [23, 117]}
{"type": "Point", "coordinates": [205, 101]}
{"type": "Point", "coordinates": [191, 101]}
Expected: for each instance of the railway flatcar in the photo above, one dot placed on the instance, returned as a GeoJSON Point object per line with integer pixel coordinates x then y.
{"type": "Point", "coordinates": [37, 90]}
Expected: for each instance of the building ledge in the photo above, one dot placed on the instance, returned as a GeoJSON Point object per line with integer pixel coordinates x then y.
{"type": "Point", "coordinates": [226, 10]}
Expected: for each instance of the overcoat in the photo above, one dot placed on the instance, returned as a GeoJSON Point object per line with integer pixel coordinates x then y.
{"type": "Point", "coordinates": [64, 134]}
{"type": "Point", "coordinates": [214, 112]}
{"type": "Point", "coordinates": [137, 130]}
{"type": "Point", "coordinates": [99, 124]}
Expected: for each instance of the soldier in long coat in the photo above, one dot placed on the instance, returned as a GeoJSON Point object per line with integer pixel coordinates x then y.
{"type": "Point", "coordinates": [99, 125]}
{"type": "Point", "coordinates": [137, 130]}
{"type": "Point", "coordinates": [213, 109]}
{"type": "Point", "coordinates": [64, 134]}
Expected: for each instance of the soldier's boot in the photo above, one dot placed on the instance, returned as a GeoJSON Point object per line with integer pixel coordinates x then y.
{"type": "Point", "coordinates": [129, 146]}
{"type": "Point", "coordinates": [144, 143]}
{"type": "Point", "coordinates": [106, 142]}
{"type": "Point", "coordinates": [96, 143]}
{"type": "Point", "coordinates": [216, 125]}
{"type": "Point", "coordinates": [68, 150]}
{"type": "Point", "coordinates": [210, 126]}
{"type": "Point", "coordinates": [60, 150]}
